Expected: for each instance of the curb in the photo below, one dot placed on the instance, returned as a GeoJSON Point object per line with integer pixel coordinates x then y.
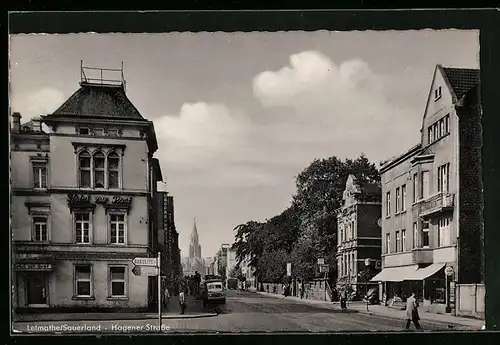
{"type": "Point", "coordinates": [122, 317]}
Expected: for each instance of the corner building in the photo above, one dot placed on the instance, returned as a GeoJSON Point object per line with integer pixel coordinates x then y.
{"type": "Point", "coordinates": [82, 195]}
{"type": "Point", "coordinates": [432, 233]}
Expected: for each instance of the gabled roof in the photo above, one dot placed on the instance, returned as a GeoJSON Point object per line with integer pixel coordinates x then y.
{"type": "Point", "coordinates": [461, 79]}
{"type": "Point", "coordinates": [96, 100]}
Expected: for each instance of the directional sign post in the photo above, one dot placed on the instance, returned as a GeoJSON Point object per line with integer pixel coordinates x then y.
{"type": "Point", "coordinates": [150, 267]}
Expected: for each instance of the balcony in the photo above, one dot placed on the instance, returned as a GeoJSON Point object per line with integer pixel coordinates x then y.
{"type": "Point", "coordinates": [422, 256]}
{"type": "Point", "coordinates": [435, 204]}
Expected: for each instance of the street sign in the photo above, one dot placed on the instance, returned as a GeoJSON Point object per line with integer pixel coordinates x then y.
{"type": "Point", "coordinates": [448, 271]}
{"type": "Point", "coordinates": [289, 269]}
{"type": "Point", "coordinates": [321, 261]}
{"type": "Point", "coordinates": [145, 271]}
{"type": "Point", "coordinates": [324, 268]}
{"type": "Point", "coordinates": [145, 262]}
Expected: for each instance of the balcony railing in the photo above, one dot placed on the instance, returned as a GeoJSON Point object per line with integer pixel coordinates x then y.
{"type": "Point", "coordinates": [436, 203]}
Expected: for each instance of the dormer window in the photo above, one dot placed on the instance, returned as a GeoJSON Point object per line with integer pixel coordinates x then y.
{"type": "Point", "coordinates": [437, 93]}
{"type": "Point", "coordinates": [83, 131]}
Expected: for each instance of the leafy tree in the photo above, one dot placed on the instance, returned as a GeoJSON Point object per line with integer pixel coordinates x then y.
{"type": "Point", "coordinates": [273, 266]}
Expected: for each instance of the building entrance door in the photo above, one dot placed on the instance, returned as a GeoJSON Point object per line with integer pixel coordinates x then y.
{"type": "Point", "coordinates": [36, 289]}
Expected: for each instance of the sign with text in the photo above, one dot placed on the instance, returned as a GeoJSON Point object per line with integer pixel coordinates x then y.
{"type": "Point", "coordinates": [321, 261]}
{"type": "Point", "coordinates": [33, 267]}
{"type": "Point", "coordinates": [289, 269]}
{"type": "Point", "coordinates": [145, 262]}
{"type": "Point", "coordinates": [324, 268]}
{"type": "Point", "coordinates": [145, 271]}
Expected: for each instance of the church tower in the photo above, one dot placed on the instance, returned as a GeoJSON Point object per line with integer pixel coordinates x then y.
{"type": "Point", "coordinates": [194, 246]}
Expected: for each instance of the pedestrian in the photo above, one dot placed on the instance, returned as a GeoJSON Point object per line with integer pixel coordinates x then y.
{"type": "Point", "coordinates": [301, 288]}
{"type": "Point", "coordinates": [412, 312]}
{"type": "Point", "coordinates": [166, 297]}
{"type": "Point", "coordinates": [182, 300]}
{"type": "Point", "coordinates": [343, 300]}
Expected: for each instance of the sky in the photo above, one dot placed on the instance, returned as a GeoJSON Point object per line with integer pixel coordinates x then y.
{"type": "Point", "coordinates": [239, 115]}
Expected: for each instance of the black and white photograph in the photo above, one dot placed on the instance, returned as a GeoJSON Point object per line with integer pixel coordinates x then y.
{"type": "Point", "coordinates": [208, 182]}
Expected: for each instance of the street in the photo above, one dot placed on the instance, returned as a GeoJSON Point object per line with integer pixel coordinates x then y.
{"type": "Point", "coordinates": [244, 312]}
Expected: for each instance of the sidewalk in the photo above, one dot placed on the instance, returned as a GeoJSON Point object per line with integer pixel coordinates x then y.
{"type": "Point", "coordinates": [379, 310]}
{"type": "Point", "coordinates": [194, 310]}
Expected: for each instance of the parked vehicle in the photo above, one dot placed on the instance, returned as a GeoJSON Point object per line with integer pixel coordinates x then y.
{"type": "Point", "coordinates": [232, 283]}
{"type": "Point", "coordinates": [214, 293]}
{"type": "Point", "coordinates": [371, 296]}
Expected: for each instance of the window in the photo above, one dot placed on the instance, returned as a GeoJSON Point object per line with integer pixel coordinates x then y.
{"type": "Point", "coordinates": [113, 169]}
{"type": "Point", "coordinates": [403, 240]}
{"type": "Point", "coordinates": [341, 269]}
{"type": "Point", "coordinates": [113, 132]}
{"type": "Point", "coordinates": [341, 234]}
{"type": "Point", "coordinates": [82, 227]}
{"type": "Point", "coordinates": [415, 187]}
{"type": "Point", "coordinates": [398, 195]}
{"type": "Point", "coordinates": [447, 124]}
{"type": "Point", "coordinates": [84, 166]}
{"type": "Point", "coordinates": [441, 128]}
{"type": "Point", "coordinates": [425, 185]}
{"type": "Point", "coordinates": [117, 281]}
{"type": "Point", "coordinates": [98, 169]}
{"type": "Point", "coordinates": [353, 231]}
{"type": "Point", "coordinates": [99, 132]}
{"type": "Point", "coordinates": [39, 174]}
{"type": "Point", "coordinates": [437, 93]}
{"type": "Point", "coordinates": [83, 281]}
{"type": "Point", "coordinates": [83, 131]}
{"type": "Point", "coordinates": [398, 242]}
{"type": "Point", "coordinates": [444, 232]}
{"type": "Point", "coordinates": [444, 178]}
{"type": "Point", "coordinates": [117, 228]}
{"type": "Point", "coordinates": [40, 233]}
{"type": "Point", "coordinates": [403, 197]}
{"type": "Point", "coordinates": [425, 235]}
{"type": "Point", "coordinates": [388, 243]}
{"type": "Point", "coordinates": [415, 235]}
{"type": "Point", "coordinates": [430, 135]}
{"type": "Point", "coordinates": [388, 204]}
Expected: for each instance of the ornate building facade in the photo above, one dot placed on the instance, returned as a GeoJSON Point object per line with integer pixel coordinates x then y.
{"type": "Point", "coordinates": [358, 233]}
{"type": "Point", "coordinates": [82, 202]}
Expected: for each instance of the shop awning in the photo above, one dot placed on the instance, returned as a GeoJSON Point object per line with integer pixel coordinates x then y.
{"type": "Point", "coordinates": [426, 272]}
{"type": "Point", "coordinates": [395, 274]}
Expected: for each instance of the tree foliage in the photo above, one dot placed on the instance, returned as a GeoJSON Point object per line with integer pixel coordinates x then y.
{"type": "Point", "coordinates": [307, 229]}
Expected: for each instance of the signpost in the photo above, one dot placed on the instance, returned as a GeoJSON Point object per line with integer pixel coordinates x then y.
{"type": "Point", "coordinates": [321, 261]}
{"type": "Point", "coordinates": [289, 269]}
{"type": "Point", "coordinates": [150, 267]}
{"type": "Point", "coordinates": [324, 268]}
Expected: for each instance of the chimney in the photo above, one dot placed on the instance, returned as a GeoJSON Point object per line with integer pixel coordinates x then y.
{"type": "Point", "coordinates": [37, 124]}
{"type": "Point", "coordinates": [16, 122]}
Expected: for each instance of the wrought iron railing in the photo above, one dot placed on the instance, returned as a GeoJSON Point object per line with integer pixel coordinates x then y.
{"type": "Point", "coordinates": [436, 202]}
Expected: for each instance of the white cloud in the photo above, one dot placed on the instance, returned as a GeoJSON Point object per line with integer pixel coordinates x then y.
{"type": "Point", "coordinates": [41, 102]}
{"type": "Point", "coordinates": [200, 132]}
{"type": "Point", "coordinates": [336, 104]}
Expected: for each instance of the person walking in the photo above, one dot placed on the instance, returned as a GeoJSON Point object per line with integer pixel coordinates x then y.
{"type": "Point", "coordinates": [182, 300]}
{"type": "Point", "coordinates": [412, 312]}
{"type": "Point", "coordinates": [301, 290]}
{"type": "Point", "coordinates": [343, 300]}
{"type": "Point", "coordinates": [166, 297]}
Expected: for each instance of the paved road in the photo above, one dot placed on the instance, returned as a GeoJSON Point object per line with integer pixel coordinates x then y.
{"type": "Point", "coordinates": [252, 312]}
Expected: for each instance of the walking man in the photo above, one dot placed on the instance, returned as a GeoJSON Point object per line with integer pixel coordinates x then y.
{"type": "Point", "coordinates": [166, 297]}
{"type": "Point", "coordinates": [412, 312]}
{"type": "Point", "coordinates": [182, 300]}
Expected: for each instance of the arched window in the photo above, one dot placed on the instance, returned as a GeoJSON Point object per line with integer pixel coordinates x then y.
{"type": "Point", "coordinates": [84, 167]}
{"type": "Point", "coordinates": [113, 170]}
{"type": "Point", "coordinates": [99, 159]}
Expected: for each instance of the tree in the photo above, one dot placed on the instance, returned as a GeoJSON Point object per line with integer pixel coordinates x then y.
{"type": "Point", "coordinates": [273, 266]}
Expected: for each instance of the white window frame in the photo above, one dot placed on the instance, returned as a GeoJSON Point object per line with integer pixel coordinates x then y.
{"type": "Point", "coordinates": [124, 280]}
{"type": "Point", "coordinates": [403, 240]}
{"type": "Point", "coordinates": [444, 178]}
{"type": "Point", "coordinates": [90, 222]}
{"type": "Point", "coordinates": [38, 166]}
{"type": "Point", "coordinates": [415, 235]}
{"type": "Point", "coordinates": [388, 204]}
{"type": "Point", "coordinates": [444, 232]}
{"type": "Point", "coordinates": [425, 184]}
{"type": "Point", "coordinates": [398, 196]}
{"type": "Point", "coordinates": [447, 124]}
{"type": "Point", "coordinates": [398, 241]}
{"type": "Point", "coordinates": [90, 280]}
{"type": "Point", "coordinates": [437, 93]}
{"type": "Point", "coordinates": [125, 228]}
{"type": "Point", "coordinates": [416, 189]}
{"type": "Point", "coordinates": [388, 243]}
{"type": "Point", "coordinates": [403, 198]}
{"type": "Point", "coordinates": [102, 170]}
{"type": "Point", "coordinates": [425, 231]}
{"type": "Point", "coordinates": [35, 230]}
{"type": "Point", "coordinates": [89, 169]}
